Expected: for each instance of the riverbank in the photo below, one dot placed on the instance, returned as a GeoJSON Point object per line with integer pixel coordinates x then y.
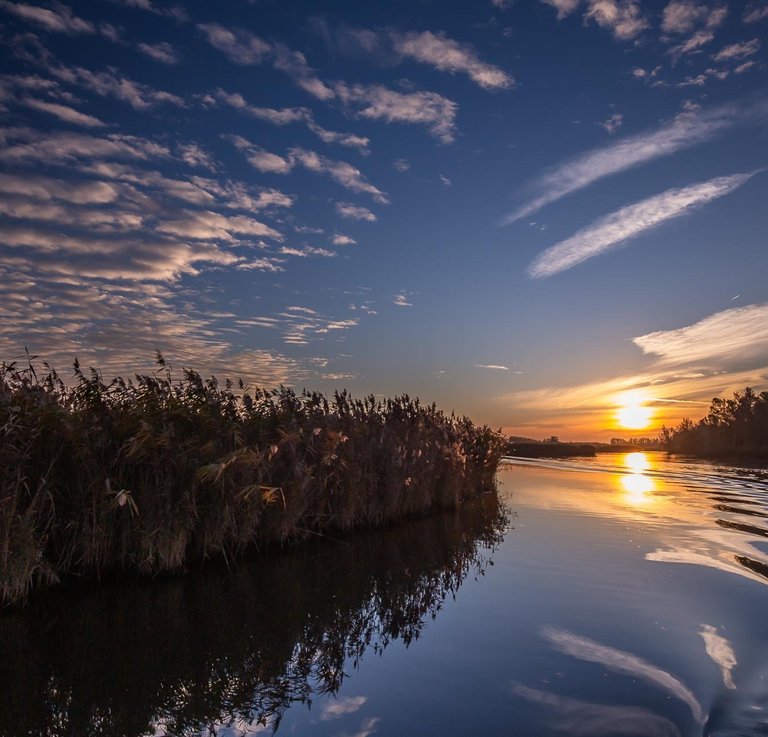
{"type": "Point", "coordinates": [155, 474]}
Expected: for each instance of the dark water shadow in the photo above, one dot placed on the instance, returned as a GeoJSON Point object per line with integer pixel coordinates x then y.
{"type": "Point", "coordinates": [209, 648]}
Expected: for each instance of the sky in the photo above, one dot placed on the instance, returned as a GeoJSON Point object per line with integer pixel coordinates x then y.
{"type": "Point", "coordinates": [532, 212]}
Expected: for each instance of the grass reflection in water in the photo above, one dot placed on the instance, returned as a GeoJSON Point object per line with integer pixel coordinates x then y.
{"type": "Point", "coordinates": [187, 655]}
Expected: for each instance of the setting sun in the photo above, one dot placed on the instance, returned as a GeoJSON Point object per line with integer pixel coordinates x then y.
{"type": "Point", "coordinates": [634, 416]}
{"type": "Point", "coordinates": [633, 412]}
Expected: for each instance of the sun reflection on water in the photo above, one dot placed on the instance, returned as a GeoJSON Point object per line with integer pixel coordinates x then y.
{"type": "Point", "coordinates": [636, 484]}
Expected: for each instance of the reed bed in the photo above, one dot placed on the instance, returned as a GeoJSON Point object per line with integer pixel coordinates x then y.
{"type": "Point", "coordinates": [156, 473]}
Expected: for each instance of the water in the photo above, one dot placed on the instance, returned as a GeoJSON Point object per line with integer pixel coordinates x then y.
{"type": "Point", "coordinates": [619, 595]}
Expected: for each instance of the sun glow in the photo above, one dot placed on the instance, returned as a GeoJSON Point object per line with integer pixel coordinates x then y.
{"type": "Point", "coordinates": [633, 414]}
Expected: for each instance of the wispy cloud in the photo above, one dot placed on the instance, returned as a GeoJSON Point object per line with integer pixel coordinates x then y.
{"type": "Point", "coordinates": [628, 222]}
{"type": "Point", "coordinates": [341, 172]}
{"type": "Point", "coordinates": [731, 336]}
{"type": "Point", "coordinates": [63, 112]}
{"type": "Point", "coordinates": [173, 11]}
{"type": "Point", "coordinates": [401, 300]}
{"type": "Point", "coordinates": [239, 46]}
{"type": "Point", "coordinates": [434, 49]}
{"type": "Point", "coordinates": [451, 56]}
{"type": "Point", "coordinates": [111, 83]}
{"type": "Point", "coordinates": [354, 212]}
{"type": "Point", "coordinates": [494, 366]}
{"type": "Point", "coordinates": [27, 145]}
{"type": "Point", "coordinates": [688, 129]}
{"type": "Point", "coordinates": [737, 51]}
{"type": "Point", "coordinates": [244, 48]}
{"type": "Point", "coordinates": [162, 52]}
{"type": "Point", "coordinates": [376, 102]}
{"type": "Point", "coordinates": [56, 17]}
{"type": "Point", "coordinates": [285, 116]}
{"type": "Point", "coordinates": [755, 12]}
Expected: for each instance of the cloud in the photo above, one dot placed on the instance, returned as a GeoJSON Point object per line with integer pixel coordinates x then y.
{"type": "Point", "coordinates": [737, 50]}
{"type": "Point", "coordinates": [563, 7]}
{"type": "Point", "coordinates": [207, 225]}
{"type": "Point", "coordinates": [686, 130]}
{"type": "Point", "coordinates": [259, 159]}
{"type": "Point", "coordinates": [285, 116]}
{"type": "Point", "coordinates": [623, 18]}
{"type": "Point", "coordinates": [162, 52]}
{"type": "Point", "coordinates": [731, 336]}
{"type": "Point", "coordinates": [401, 300]}
{"type": "Point", "coordinates": [111, 83]}
{"type": "Point", "coordinates": [294, 64]}
{"type": "Point", "coordinates": [451, 56]}
{"type": "Point", "coordinates": [755, 12]}
{"type": "Point", "coordinates": [683, 16]}
{"type": "Point", "coordinates": [305, 251]}
{"type": "Point", "coordinates": [173, 11]}
{"type": "Point", "coordinates": [340, 171]}
{"type": "Point", "coordinates": [63, 147]}
{"type": "Point", "coordinates": [57, 17]}
{"type": "Point", "coordinates": [343, 139]}
{"type": "Point", "coordinates": [80, 192]}
{"type": "Point", "coordinates": [244, 48]}
{"type": "Point", "coordinates": [392, 47]}
{"type": "Point", "coordinates": [63, 112]}
{"type": "Point", "coordinates": [239, 46]}
{"type": "Point", "coordinates": [613, 123]}
{"type": "Point", "coordinates": [376, 102]}
{"type": "Point", "coordinates": [342, 240]}
{"type": "Point", "coordinates": [630, 221]}
{"type": "Point", "coordinates": [494, 366]}
{"type": "Point", "coordinates": [353, 212]}
{"type": "Point", "coordinates": [193, 154]}
{"type": "Point", "coordinates": [623, 663]}
{"type": "Point", "coordinates": [695, 19]}
{"type": "Point", "coordinates": [401, 165]}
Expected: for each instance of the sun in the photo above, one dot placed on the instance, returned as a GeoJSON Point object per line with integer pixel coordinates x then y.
{"type": "Point", "coordinates": [634, 416]}
{"type": "Point", "coordinates": [633, 412]}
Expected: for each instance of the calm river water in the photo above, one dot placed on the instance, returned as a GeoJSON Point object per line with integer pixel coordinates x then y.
{"type": "Point", "coordinates": [621, 595]}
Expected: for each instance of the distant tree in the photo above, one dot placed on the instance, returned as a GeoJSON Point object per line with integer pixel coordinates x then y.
{"type": "Point", "coordinates": [735, 427]}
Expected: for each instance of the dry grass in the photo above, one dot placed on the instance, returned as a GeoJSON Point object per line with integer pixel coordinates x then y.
{"type": "Point", "coordinates": [152, 474]}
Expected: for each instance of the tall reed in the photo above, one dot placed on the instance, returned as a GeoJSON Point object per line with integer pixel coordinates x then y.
{"type": "Point", "coordinates": [154, 473]}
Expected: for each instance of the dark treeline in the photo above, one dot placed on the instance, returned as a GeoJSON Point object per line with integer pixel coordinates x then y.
{"type": "Point", "coordinates": [153, 474]}
{"type": "Point", "coordinates": [733, 428]}
{"type": "Point", "coordinates": [192, 655]}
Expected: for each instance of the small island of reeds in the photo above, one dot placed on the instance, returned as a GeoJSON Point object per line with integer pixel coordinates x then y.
{"type": "Point", "coordinates": [157, 473]}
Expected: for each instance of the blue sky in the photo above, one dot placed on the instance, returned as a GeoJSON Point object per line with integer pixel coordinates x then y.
{"type": "Point", "coordinates": [530, 212]}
